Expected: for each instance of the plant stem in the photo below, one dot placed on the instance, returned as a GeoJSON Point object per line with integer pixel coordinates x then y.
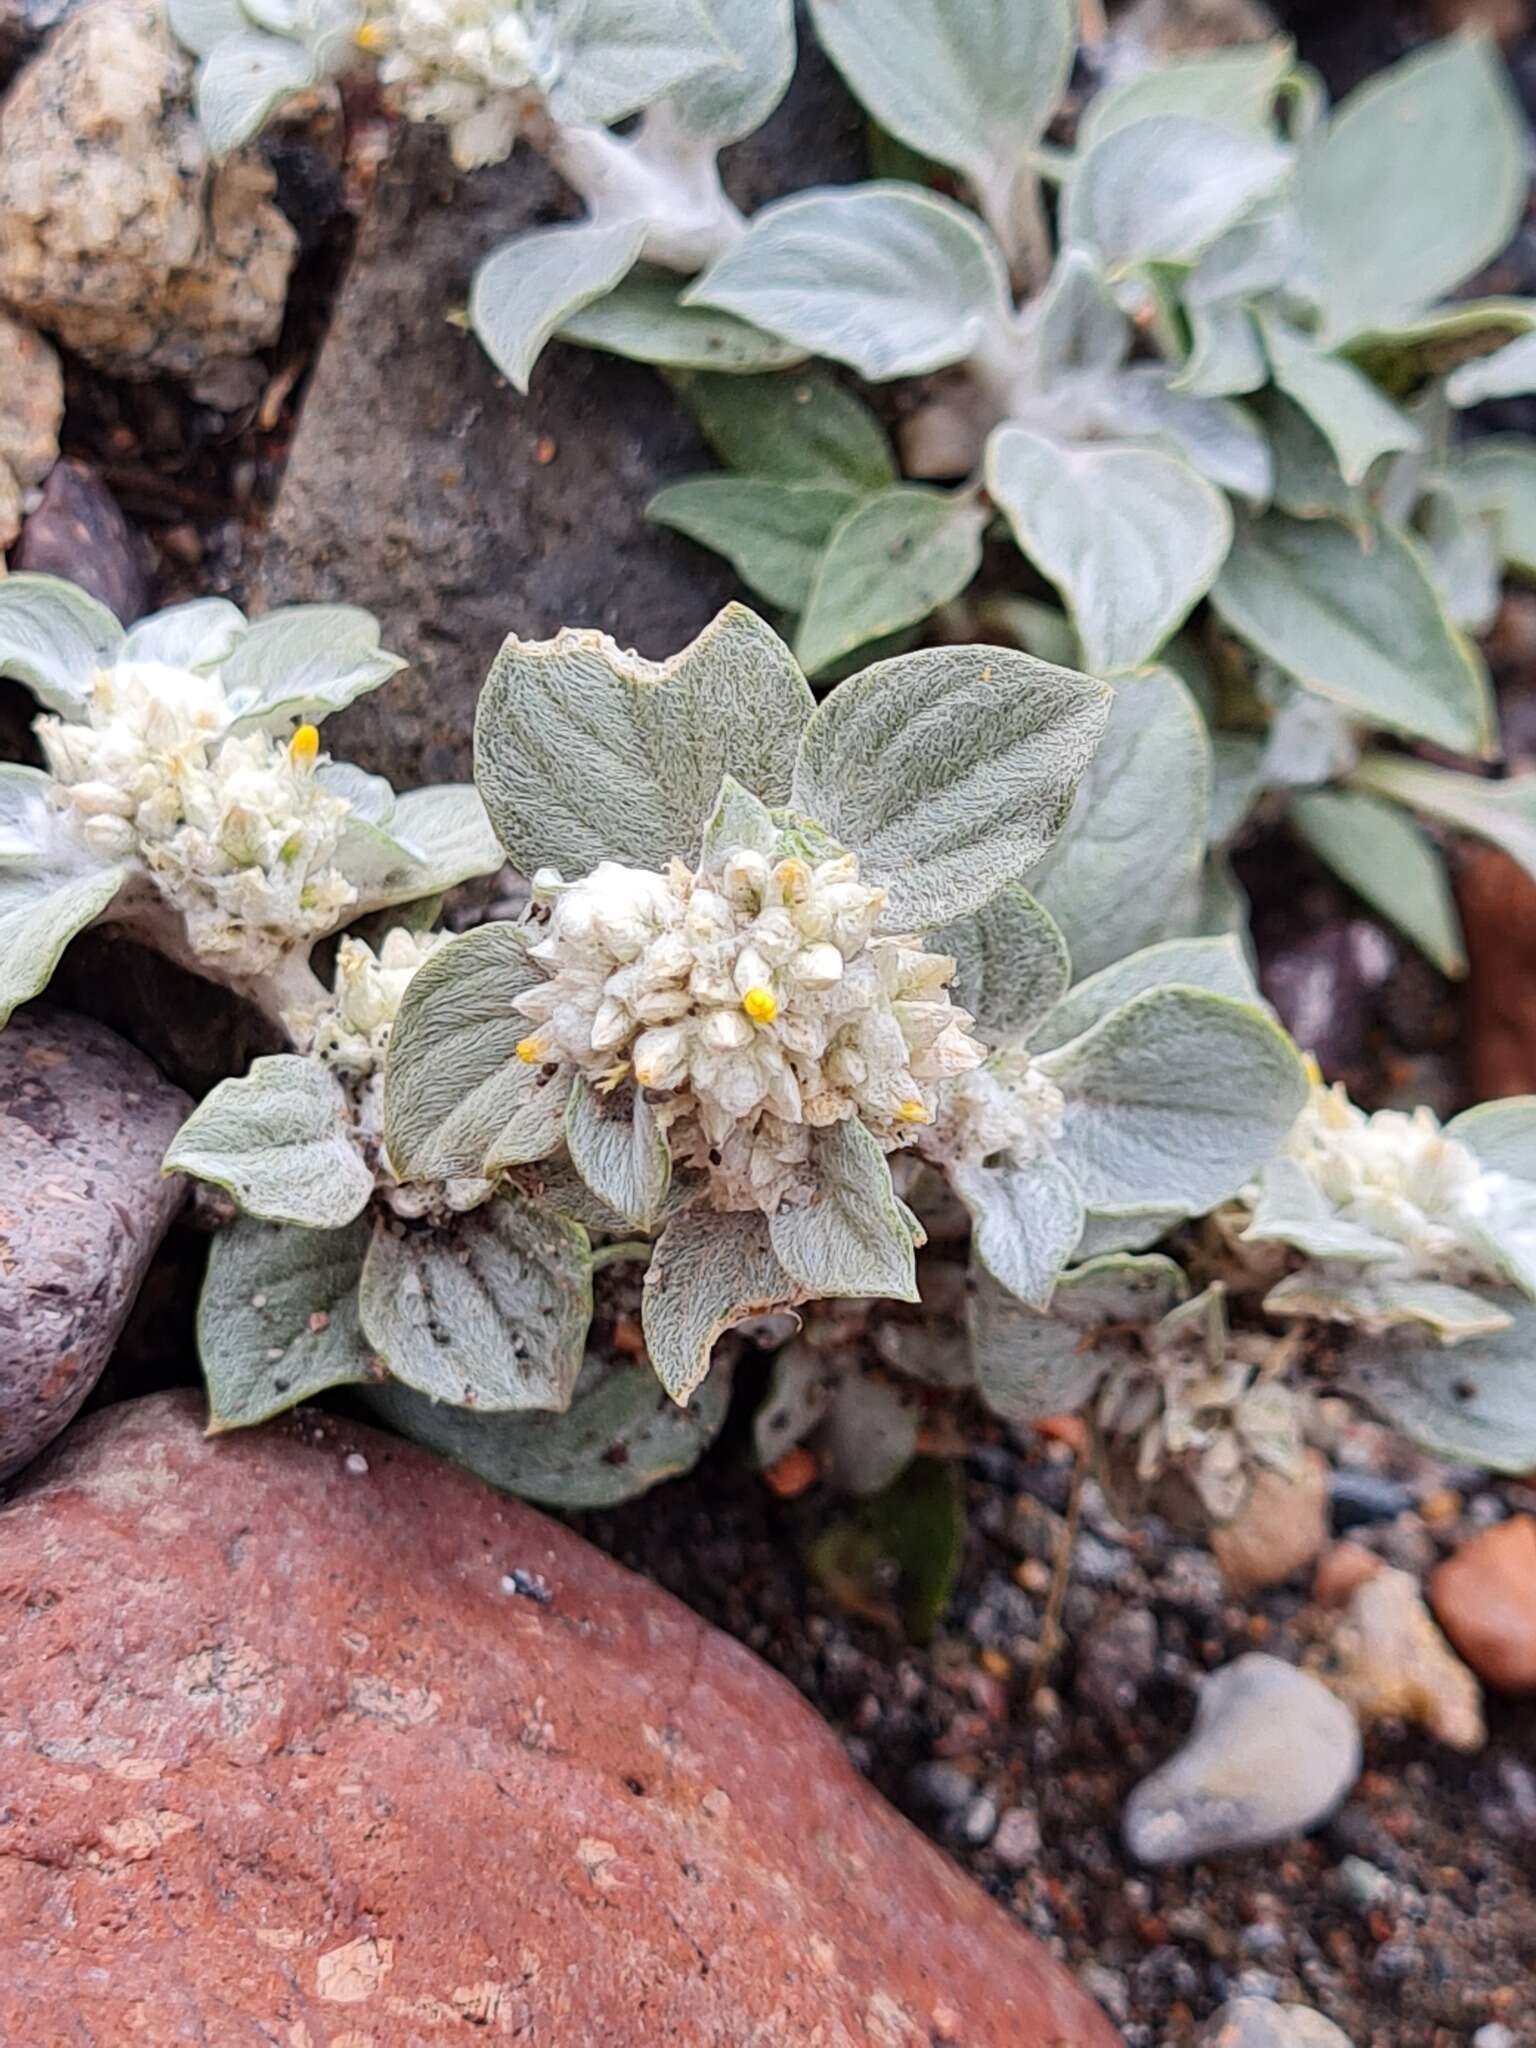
{"type": "Point", "coordinates": [639, 1248]}
{"type": "Point", "coordinates": [1051, 1637]}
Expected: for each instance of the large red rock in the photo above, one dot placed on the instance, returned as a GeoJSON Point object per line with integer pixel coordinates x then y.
{"type": "Point", "coordinates": [309, 1741]}
{"type": "Point", "coordinates": [1485, 1599]}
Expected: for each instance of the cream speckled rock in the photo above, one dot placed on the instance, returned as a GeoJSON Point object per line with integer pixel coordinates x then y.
{"type": "Point", "coordinates": [117, 232]}
{"type": "Point", "coordinates": [31, 409]}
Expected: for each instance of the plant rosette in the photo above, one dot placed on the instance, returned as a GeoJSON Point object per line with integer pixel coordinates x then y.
{"type": "Point", "coordinates": [186, 798]}
{"type": "Point", "coordinates": [722, 1015]}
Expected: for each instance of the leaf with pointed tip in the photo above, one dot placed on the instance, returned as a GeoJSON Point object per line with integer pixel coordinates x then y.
{"type": "Point", "coordinates": [1502, 1134]}
{"type": "Point", "coordinates": [1510, 372]}
{"type": "Point", "coordinates": [303, 662]}
{"type": "Point", "coordinates": [644, 320]}
{"type": "Point", "coordinates": [489, 1311]}
{"type": "Point", "coordinates": [584, 752]}
{"type": "Point", "coordinates": [887, 563]}
{"type": "Point", "coordinates": [1218, 965]}
{"type": "Point", "coordinates": [728, 99]}
{"type": "Point", "coordinates": [1164, 188]}
{"type": "Point", "coordinates": [891, 280]}
{"type": "Point", "coordinates": [243, 79]}
{"type": "Point", "coordinates": [1474, 1402]}
{"type": "Point", "coordinates": [1503, 813]}
{"type": "Point", "coordinates": [774, 535]}
{"type": "Point", "coordinates": [277, 1318]}
{"type": "Point", "coordinates": [1030, 1365]}
{"type": "Point", "coordinates": [1234, 88]}
{"type": "Point", "coordinates": [54, 637]}
{"type": "Point", "coordinates": [851, 1239]}
{"type": "Point", "coordinates": [1011, 964]}
{"type": "Point", "coordinates": [528, 288]}
{"type": "Point", "coordinates": [199, 635]}
{"type": "Point", "coordinates": [624, 1159]}
{"type": "Point", "coordinates": [1223, 442]}
{"type": "Point", "coordinates": [50, 887]}
{"type": "Point", "coordinates": [708, 1272]}
{"type": "Point", "coordinates": [1384, 857]}
{"type": "Point", "coordinates": [280, 1142]}
{"type": "Point", "coordinates": [1025, 1223]}
{"type": "Point", "coordinates": [797, 428]}
{"type": "Point", "coordinates": [949, 771]}
{"type": "Point", "coordinates": [1358, 423]}
{"type": "Point", "coordinates": [1497, 477]}
{"type": "Point", "coordinates": [1292, 1209]}
{"type": "Point", "coordinates": [434, 839]}
{"type": "Point", "coordinates": [618, 56]}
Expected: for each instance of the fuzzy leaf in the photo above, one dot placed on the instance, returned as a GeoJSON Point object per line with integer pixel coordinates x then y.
{"type": "Point", "coordinates": [1030, 1365]}
{"type": "Point", "coordinates": [617, 56]}
{"type": "Point", "coordinates": [1223, 442]}
{"type": "Point", "coordinates": [886, 278]}
{"type": "Point", "coordinates": [949, 772]}
{"type": "Point", "coordinates": [800, 1389]}
{"type": "Point", "coordinates": [1465, 557]}
{"type": "Point", "coordinates": [1011, 964]}
{"type": "Point", "coordinates": [1503, 813]}
{"type": "Point", "coordinates": [1307, 480]}
{"type": "Point", "coordinates": [1474, 1402]}
{"type": "Point", "coordinates": [526, 289]}
{"type": "Point", "coordinates": [242, 80]}
{"type": "Point", "coordinates": [1497, 476]}
{"type": "Point", "coordinates": [772, 534]}
{"type": "Point", "coordinates": [1217, 965]}
{"type": "Point", "coordinates": [50, 888]}
{"type": "Point", "coordinates": [200, 25]}
{"type": "Point", "coordinates": [624, 1160]}
{"type": "Point", "coordinates": [852, 1238]}
{"type": "Point", "coordinates": [1131, 537]}
{"type": "Point", "coordinates": [1234, 88]}
{"type": "Point", "coordinates": [1354, 616]}
{"type": "Point", "coordinates": [802, 428]}
{"type": "Point", "coordinates": [1025, 1223]}
{"type": "Point", "coordinates": [489, 1311]}
{"type": "Point", "coordinates": [278, 1140]}
{"type": "Point", "coordinates": [198, 635]}
{"type": "Point", "coordinates": [448, 836]}
{"type": "Point", "coordinates": [277, 1318]}
{"type": "Point", "coordinates": [303, 662]}
{"type": "Point", "coordinates": [871, 1434]}
{"type": "Point", "coordinates": [53, 638]}
{"type": "Point", "coordinates": [1163, 189]}
{"type": "Point", "coordinates": [1510, 372]}
{"type": "Point", "coordinates": [738, 820]}
{"type": "Point", "coordinates": [643, 319]}
{"type": "Point", "coordinates": [584, 752]}
{"type": "Point", "coordinates": [1292, 1209]}
{"type": "Point", "coordinates": [708, 1272]}
{"type": "Point", "coordinates": [1502, 1134]}
{"type": "Point", "coordinates": [1383, 856]}
{"type": "Point", "coordinates": [1177, 1098]}
{"type": "Point", "coordinates": [888, 563]}
{"type": "Point", "coordinates": [1376, 1301]}
{"type": "Point", "coordinates": [1358, 423]}
{"type": "Point", "coordinates": [725, 102]}
{"type": "Point", "coordinates": [1117, 877]}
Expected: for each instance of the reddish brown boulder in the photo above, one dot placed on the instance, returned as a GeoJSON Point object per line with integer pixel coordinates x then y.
{"type": "Point", "coordinates": [310, 1740]}
{"type": "Point", "coordinates": [1485, 1599]}
{"type": "Point", "coordinates": [1498, 914]}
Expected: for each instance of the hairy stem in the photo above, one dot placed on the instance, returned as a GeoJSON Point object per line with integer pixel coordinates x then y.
{"type": "Point", "coordinates": [639, 1248]}
{"type": "Point", "coordinates": [662, 177]}
{"type": "Point", "coordinates": [1051, 1637]}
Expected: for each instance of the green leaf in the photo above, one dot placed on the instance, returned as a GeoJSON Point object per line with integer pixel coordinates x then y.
{"type": "Point", "coordinates": [620, 1436]}
{"type": "Point", "coordinates": [1175, 1099]}
{"type": "Point", "coordinates": [199, 635]}
{"type": "Point", "coordinates": [54, 638]}
{"type": "Point", "coordinates": [303, 662]}
{"type": "Point", "coordinates": [453, 1081]}
{"type": "Point", "coordinates": [852, 1238]}
{"type": "Point", "coordinates": [643, 319]}
{"type": "Point", "coordinates": [584, 752]}
{"type": "Point", "coordinates": [1383, 856]}
{"type": "Point", "coordinates": [1498, 477]}
{"type": "Point", "coordinates": [1025, 1223]}
{"type": "Point", "coordinates": [624, 1159]}
{"type": "Point", "coordinates": [1234, 88]}
{"type": "Point", "coordinates": [1118, 876]}
{"type": "Point", "coordinates": [871, 1433]}
{"type": "Point", "coordinates": [1217, 965]}
{"type": "Point", "coordinates": [1510, 372]}
{"type": "Point", "coordinates": [1011, 964]}
{"type": "Point", "coordinates": [277, 1318]}
{"type": "Point", "coordinates": [725, 102]}
{"type": "Point", "coordinates": [616, 57]}
{"type": "Point", "coordinates": [278, 1140]}
{"type": "Point", "coordinates": [888, 563]}
{"type": "Point", "coordinates": [1503, 813]}
{"type": "Point", "coordinates": [446, 834]}
{"type": "Point", "coordinates": [50, 888]}
{"type": "Point", "coordinates": [243, 79]}
{"type": "Point", "coordinates": [1358, 423]}
{"type": "Point", "coordinates": [739, 820]}
{"type": "Point", "coordinates": [1030, 1365]}
{"type": "Point", "coordinates": [1226, 356]}
{"type": "Point", "coordinates": [1292, 1209]}
{"type": "Point", "coordinates": [200, 25]}
{"type": "Point", "coordinates": [1474, 1402]}
{"type": "Point", "coordinates": [1163, 189]}
{"type": "Point", "coordinates": [772, 534]}
{"type": "Point", "coordinates": [949, 772]}
{"type": "Point", "coordinates": [883, 277]}
{"type": "Point", "coordinates": [1502, 1134]}
{"type": "Point", "coordinates": [1465, 557]}
{"type": "Point", "coordinates": [1377, 1301]}
{"type": "Point", "coordinates": [1131, 537]}
{"type": "Point", "coordinates": [528, 288]}
{"type": "Point", "coordinates": [908, 1541]}
{"type": "Point", "coordinates": [1221, 441]}
{"type": "Point", "coordinates": [489, 1311]}
{"type": "Point", "coordinates": [708, 1272]}
{"type": "Point", "coordinates": [798, 428]}
{"type": "Point", "coordinates": [1308, 484]}
{"type": "Point", "coordinates": [1418, 182]}
{"type": "Point", "coordinates": [1354, 616]}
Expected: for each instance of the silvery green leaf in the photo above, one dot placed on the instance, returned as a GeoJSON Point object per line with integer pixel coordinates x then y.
{"type": "Point", "coordinates": [1465, 557]}
{"type": "Point", "coordinates": [303, 662]}
{"type": "Point", "coordinates": [1358, 423]}
{"type": "Point", "coordinates": [1353, 615]}
{"type": "Point", "coordinates": [1234, 88]}
{"type": "Point", "coordinates": [278, 1140]}
{"type": "Point", "coordinates": [969, 83]}
{"type": "Point", "coordinates": [773, 534]}
{"type": "Point", "coordinates": [888, 562]}
{"type": "Point", "coordinates": [735, 95]}
{"type": "Point", "coordinates": [851, 1239]}
{"type": "Point", "coordinates": [620, 1436]}
{"type": "Point", "coordinates": [1497, 477]}
{"type": "Point", "coordinates": [1408, 354]}
{"type": "Point", "coordinates": [533, 1131]}
{"type": "Point", "coordinates": [1502, 1134]}
{"type": "Point", "coordinates": [1131, 537]}
{"type": "Point", "coordinates": [585, 752]}
{"type": "Point", "coordinates": [1378, 851]}
{"type": "Point", "coordinates": [800, 1390]}
{"type": "Point", "coordinates": [1474, 1402]}
{"type": "Point", "coordinates": [1030, 1365]}
{"type": "Point", "coordinates": [277, 1318]}
{"type": "Point", "coordinates": [617, 56]}
{"type": "Point", "coordinates": [1163, 189]}
{"type": "Point", "coordinates": [1504, 813]}
{"type": "Point", "coordinates": [949, 771]}
{"type": "Point", "coordinates": [1118, 874]}
{"type": "Point", "coordinates": [370, 796]}
{"type": "Point", "coordinates": [526, 289]}
{"type": "Point", "coordinates": [886, 278]}
{"type": "Point", "coordinates": [1292, 1209]}
{"type": "Point", "coordinates": [709, 1271]}
{"type": "Point", "coordinates": [198, 635]}
{"type": "Point", "coordinates": [1075, 324]}
{"type": "Point", "coordinates": [1510, 372]}
{"type": "Point", "coordinates": [871, 1432]}
{"type": "Point", "coordinates": [643, 319]}
{"type": "Point", "coordinates": [1418, 181]}
{"type": "Point", "coordinates": [1038, 628]}
{"type": "Point", "coordinates": [1124, 1230]}
{"type": "Point", "coordinates": [1308, 484]}
{"type": "Point", "coordinates": [1309, 741]}
{"type": "Point", "coordinates": [202, 24]}
{"type": "Point", "coordinates": [447, 837]}
{"type": "Point", "coordinates": [1025, 1223]}
{"type": "Point", "coordinates": [50, 887]}
{"type": "Point", "coordinates": [1226, 357]}
{"type": "Point", "coordinates": [1011, 964]}
{"type": "Point", "coordinates": [53, 638]}
{"type": "Point", "coordinates": [1176, 1099]}
{"type": "Point", "coordinates": [1224, 442]}
{"type": "Point", "coordinates": [1377, 1301]}
{"type": "Point", "coordinates": [739, 819]}
{"type": "Point", "coordinates": [242, 79]}
{"type": "Point", "coordinates": [623, 1158]}
{"type": "Point", "coordinates": [488, 1311]}
{"type": "Point", "coordinates": [797, 428]}
{"type": "Point", "coordinates": [453, 1081]}
{"type": "Point", "coordinates": [1217, 965]}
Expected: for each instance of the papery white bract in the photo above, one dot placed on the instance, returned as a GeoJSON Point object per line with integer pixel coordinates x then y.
{"type": "Point", "coordinates": [468, 65]}
{"type": "Point", "coordinates": [1007, 1109]}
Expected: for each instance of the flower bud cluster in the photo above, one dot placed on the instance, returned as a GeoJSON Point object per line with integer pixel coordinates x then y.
{"type": "Point", "coordinates": [238, 832]}
{"type": "Point", "coordinates": [755, 1001]}
{"type": "Point", "coordinates": [468, 65]}
{"type": "Point", "coordinates": [1006, 1110]}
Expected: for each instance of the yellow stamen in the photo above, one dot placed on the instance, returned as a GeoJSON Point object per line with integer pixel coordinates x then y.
{"type": "Point", "coordinates": [913, 1112]}
{"type": "Point", "coordinates": [530, 1051]}
{"type": "Point", "coordinates": [1314, 1071]}
{"type": "Point", "coordinates": [793, 877]}
{"type": "Point", "coordinates": [608, 1081]}
{"type": "Point", "coordinates": [761, 1005]}
{"type": "Point", "coordinates": [373, 36]}
{"type": "Point", "coordinates": [304, 747]}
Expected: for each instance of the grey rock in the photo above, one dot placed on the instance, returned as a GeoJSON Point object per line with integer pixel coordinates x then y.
{"type": "Point", "coordinates": [84, 1123]}
{"type": "Point", "coordinates": [1272, 1753]}
{"type": "Point", "coordinates": [78, 532]}
{"type": "Point", "coordinates": [1017, 1841]}
{"type": "Point", "coordinates": [1495, 2035]}
{"type": "Point", "coordinates": [1117, 1660]}
{"type": "Point", "coordinates": [23, 24]}
{"type": "Point", "coordinates": [1259, 2023]}
{"type": "Point", "coordinates": [979, 1823]}
{"type": "Point", "coordinates": [420, 486]}
{"type": "Point", "coordinates": [942, 1787]}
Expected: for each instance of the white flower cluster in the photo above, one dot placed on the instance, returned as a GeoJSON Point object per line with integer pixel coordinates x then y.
{"type": "Point", "coordinates": [468, 65]}
{"type": "Point", "coordinates": [755, 1002]}
{"type": "Point", "coordinates": [237, 832]}
{"type": "Point", "coordinates": [1007, 1110]}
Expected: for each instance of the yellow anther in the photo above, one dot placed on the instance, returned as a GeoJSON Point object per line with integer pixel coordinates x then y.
{"type": "Point", "coordinates": [610, 1079]}
{"type": "Point", "coordinates": [1314, 1071]}
{"type": "Point", "coordinates": [793, 878]}
{"type": "Point", "coordinates": [530, 1050]}
{"type": "Point", "coordinates": [761, 1005]}
{"type": "Point", "coordinates": [304, 747]}
{"type": "Point", "coordinates": [913, 1112]}
{"type": "Point", "coordinates": [373, 36]}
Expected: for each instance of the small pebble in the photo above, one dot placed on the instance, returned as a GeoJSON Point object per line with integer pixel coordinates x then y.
{"type": "Point", "coordinates": [1485, 1599]}
{"type": "Point", "coordinates": [1367, 1886]}
{"type": "Point", "coordinates": [1360, 1498]}
{"type": "Point", "coordinates": [1495, 2035]}
{"type": "Point", "coordinates": [1261, 2023]}
{"type": "Point", "coordinates": [1017, 1841]}
{"type": "Point", "coordinates": [531, 1585]}
{"type": "Point", "coordinates": [980, 1822]}
{"type": "Point", "coordinates": [1108, 1987]}
{"type": "Point", "coordinates": [1117, 1660]}
{"type": "Point", "coordinates": [1391, 1663]}
{"type": "Point", "coordinates": [1279, 1530]}
{"type": "Point", "coordinates": [356, 1463]}
{"type": "Point", "coordinates": [1340, 1569]}
{"type": "Point", "coordinates": [943, 1787]}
